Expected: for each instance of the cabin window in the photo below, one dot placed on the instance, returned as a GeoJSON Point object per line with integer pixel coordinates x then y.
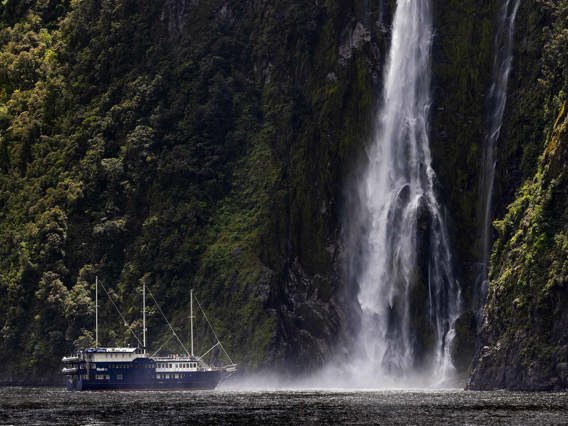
{"type": "Point", "coordinates": [119, 377]}
{"type": "Point", "coordinates": [176, 376]}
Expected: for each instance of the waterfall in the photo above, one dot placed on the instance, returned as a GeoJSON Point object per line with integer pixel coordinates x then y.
{"type": "Point", "coordinates": [496, 102]}
{"type": "Point", "coordinates": [397, 238]}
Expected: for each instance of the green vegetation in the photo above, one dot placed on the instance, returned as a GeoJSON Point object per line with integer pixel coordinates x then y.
{"type": "Point", "coordinates": [187, 144]}
{"type": "Point", "coordinates": [525, 337]}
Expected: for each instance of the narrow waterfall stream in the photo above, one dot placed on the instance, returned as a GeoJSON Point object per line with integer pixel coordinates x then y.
{"type": "Point", "coordinates": [408, 294]}
{"type": "Point", "coordinates": [496, 102]}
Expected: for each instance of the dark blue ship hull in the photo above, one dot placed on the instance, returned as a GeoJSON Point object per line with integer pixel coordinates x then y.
{"type": "Point", "coordinates": [191, 381]}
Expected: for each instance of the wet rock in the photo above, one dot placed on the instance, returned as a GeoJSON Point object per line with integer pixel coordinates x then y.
{"type": "Point", "coordinates": [463, 346]}
{"type": "Point", "coordinates": [353, 40]}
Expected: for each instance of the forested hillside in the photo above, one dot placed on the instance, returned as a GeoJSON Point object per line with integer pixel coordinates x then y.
{"type": "Point", "coordinates": [190, 144]}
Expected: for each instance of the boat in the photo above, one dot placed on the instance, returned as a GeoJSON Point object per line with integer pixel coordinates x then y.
{"type": "Point", "coordinates": [132, 368]}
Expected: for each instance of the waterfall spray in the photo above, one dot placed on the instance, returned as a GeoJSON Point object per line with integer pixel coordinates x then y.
{"type": "Point", "coordinates": [408, 295]}
{"type": "Point", "coordinates": [496, 102]}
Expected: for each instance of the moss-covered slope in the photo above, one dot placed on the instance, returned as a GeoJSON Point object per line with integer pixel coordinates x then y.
{"type": "Point", "coordinates": [524, 342]}
{"type": "Point", "coordinates": [187, 144]}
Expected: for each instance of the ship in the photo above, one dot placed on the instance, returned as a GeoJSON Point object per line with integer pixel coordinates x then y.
{"type": "Point", "coordinates": [132, 368]}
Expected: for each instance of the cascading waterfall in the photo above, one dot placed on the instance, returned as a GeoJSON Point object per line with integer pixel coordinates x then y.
{"type": "Point", "coordinates": [496, 102]}
{"type": "Point", "coordinates": [408, 295]}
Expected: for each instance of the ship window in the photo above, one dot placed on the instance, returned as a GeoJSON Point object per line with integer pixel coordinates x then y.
{"type": "Point", "coordinates": [170, 365]}
{"type": "Point", "coordinates": [177, 376]}
{"type": "Point", "coordinates": [119, 377]}
{"type": "Point", "coordinates": [167, 376]}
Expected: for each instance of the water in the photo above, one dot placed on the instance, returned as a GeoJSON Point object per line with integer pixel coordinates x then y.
{"type": "Point", "coordinates": [43, 406]}
{"type": "Point", "coordinates": [408, 295]}
{"type": "Point", "coordinates": [496, 102]}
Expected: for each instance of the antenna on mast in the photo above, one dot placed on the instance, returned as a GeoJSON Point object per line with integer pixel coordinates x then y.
{"type": "Point", "coordinates": [144, 316]}
{"type": "Point", "coordinates": [96, 311]}
{"type": "Point", "coordinates": [191, 318]}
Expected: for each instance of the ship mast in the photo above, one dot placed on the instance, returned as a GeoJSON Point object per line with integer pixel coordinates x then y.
{"type": "Point", "coordinates": [191, 318]}
{"type": "Point", "coordinates": [144, 316]}
{"type": "Point", "coordinates": [96, 311]}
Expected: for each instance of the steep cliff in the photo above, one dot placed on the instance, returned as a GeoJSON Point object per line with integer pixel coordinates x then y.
{"type": "Point", "coordinates": [524, 344]}
{"type": "Point", "coordinates": [188, 144]}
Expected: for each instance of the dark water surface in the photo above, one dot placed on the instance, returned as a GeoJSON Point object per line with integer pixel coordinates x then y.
{"type": "Point", "coordinates": [40, 406]}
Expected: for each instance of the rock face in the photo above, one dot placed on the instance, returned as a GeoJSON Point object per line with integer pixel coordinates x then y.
{"type": "Point", "coordinates": [523, 337]}
{"type": "Point", "coordinates": [185, 143]}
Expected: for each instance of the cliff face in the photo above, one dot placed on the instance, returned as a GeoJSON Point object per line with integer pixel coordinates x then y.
{"type": "Point", "coordinates": [187, 144]}
{"type": "Point", "coordinates": [208, 144]}
{"type": "Point", "coordinates": [523, 336]}
{"type": "Point", "coordinates": [524, 339]}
